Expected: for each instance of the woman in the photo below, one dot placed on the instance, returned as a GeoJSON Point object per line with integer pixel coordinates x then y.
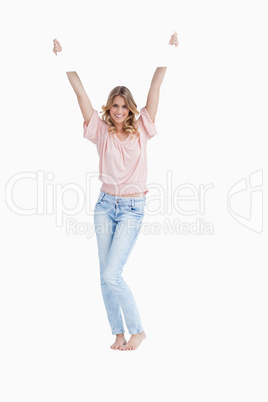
{"type": "Point", "coordinates": [121, 144]}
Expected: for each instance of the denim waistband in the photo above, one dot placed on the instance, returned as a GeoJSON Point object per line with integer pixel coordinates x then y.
{"type": "Point", "coordinates": [114, 199]}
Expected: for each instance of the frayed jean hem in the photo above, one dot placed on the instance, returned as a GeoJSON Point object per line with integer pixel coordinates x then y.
{"type": "Point", "coordinates": [134, 332]}
{"type": "Point", "coordinates": [118, 332]}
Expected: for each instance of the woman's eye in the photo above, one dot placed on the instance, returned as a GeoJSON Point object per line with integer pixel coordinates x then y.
{"type": "Point", "coordinates": [123, 106]}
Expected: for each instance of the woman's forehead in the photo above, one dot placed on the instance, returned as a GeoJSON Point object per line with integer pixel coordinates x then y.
{"type": "Point", "coordinates": [119, 99]}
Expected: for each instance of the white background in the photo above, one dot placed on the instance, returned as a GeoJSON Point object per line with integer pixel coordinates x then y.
{"type": "Point", "coordinates": [202, 297]}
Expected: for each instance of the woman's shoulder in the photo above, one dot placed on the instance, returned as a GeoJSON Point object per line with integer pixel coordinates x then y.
{"type": "Point", "coordinates": [146, 124]}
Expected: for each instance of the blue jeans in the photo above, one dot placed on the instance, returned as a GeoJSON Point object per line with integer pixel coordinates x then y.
{"type": "Point", "coordinates": [117, 222]}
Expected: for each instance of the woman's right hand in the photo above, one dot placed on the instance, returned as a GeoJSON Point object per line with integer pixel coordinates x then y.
{"type": "Point", "coordinates": [174, 40]}
{"type": "Point", "coordinates": [57, 46]}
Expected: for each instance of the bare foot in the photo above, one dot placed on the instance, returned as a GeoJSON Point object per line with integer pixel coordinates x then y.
{"type": "Point", "coordinates": [120, 341]}
{"type": "Point", "coordinates": [134, 341]}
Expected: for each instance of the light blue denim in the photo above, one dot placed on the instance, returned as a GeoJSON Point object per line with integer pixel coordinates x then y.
{"type": "Point", "coordinates": [117, 222]}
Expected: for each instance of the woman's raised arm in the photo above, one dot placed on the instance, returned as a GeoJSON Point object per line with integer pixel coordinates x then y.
{"type": "Point", "coordinates": [154, 91]}
{"type": "Point", "coordinates": [83, 100]}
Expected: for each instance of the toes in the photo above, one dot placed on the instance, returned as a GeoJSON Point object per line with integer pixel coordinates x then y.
{"type": "Point", "coordinates": [128, 347]}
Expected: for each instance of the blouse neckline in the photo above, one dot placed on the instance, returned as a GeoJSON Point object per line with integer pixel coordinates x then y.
{"type": "Point", "coordinates": [121, 142]}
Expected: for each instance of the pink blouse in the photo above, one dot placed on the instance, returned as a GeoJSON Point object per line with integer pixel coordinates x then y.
{"type": "Point", "coordinates": [122, 164]}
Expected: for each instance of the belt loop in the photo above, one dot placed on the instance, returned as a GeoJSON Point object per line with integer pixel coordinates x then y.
{"type": "Point", "coordinates": [132, 203]}
{"type": "Point", "coordinates": [102, 196]}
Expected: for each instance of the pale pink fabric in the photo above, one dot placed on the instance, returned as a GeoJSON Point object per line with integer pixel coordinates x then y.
{"type": "Point", "coordinates": [122, 164]}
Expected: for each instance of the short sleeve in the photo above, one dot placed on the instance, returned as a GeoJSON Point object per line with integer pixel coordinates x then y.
{"type": "Point", "coordinates": [95, 128]}
{"type": "Point", "coordinates": [148, 126]}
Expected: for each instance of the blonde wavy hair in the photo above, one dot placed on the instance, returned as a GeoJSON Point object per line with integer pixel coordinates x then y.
{"type": "Point", "coordinates": [130, 124]}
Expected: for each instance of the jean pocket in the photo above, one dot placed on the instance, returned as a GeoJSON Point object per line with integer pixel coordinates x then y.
{"type": "Point", "coordinates": [137, 209]}
{"type": "Point", "coordinates": [99, 200]}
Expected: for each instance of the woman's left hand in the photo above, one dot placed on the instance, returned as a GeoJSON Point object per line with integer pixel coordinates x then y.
{"type": "Point", "coordinates": [174, 40]}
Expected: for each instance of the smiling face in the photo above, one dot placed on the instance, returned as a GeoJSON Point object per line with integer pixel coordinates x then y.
{"type": "Point", "coordinates": [119, 110]}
